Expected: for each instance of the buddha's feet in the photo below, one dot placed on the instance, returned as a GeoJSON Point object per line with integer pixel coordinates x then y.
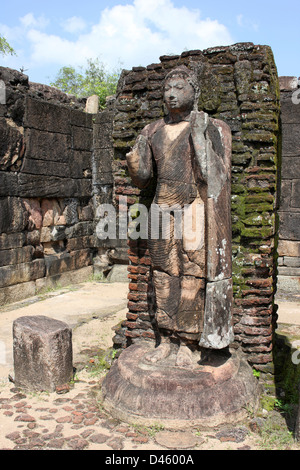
{"type": "Point", "coordinates": [184, 357]}
{"type": "Point", "coordinates": [161, 352]}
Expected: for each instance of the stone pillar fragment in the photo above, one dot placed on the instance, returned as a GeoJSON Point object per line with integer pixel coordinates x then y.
{"type": "Point", "coordinates": [42, 349]}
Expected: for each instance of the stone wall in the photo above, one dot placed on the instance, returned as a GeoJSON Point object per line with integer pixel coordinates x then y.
{"type": "Point", "coordinates": [46, 207]}
{"type": "Point", "coordinates": [289, 211]}
{"type": "Point", "coordinates": [239, 85]}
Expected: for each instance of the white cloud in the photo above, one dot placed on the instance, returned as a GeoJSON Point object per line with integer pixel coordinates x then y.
{"type": "Point", "coordinates": [29, 21]}
{"type": "Point", "coordinates": [133, 34]}
{"type": "Point", "coordinates": [74, 24]}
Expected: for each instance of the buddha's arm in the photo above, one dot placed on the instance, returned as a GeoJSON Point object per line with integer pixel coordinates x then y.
{"type": "Point", "coordinates": [139, 161]}
{"type": "Point", "coordinates": [199, 123]}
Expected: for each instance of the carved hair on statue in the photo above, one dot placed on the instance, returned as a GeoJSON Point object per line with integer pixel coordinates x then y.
{"type": "Point", "coordinates": [190, 76]}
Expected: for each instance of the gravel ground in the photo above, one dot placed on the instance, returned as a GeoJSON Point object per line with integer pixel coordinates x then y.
{"type": "Point", "coordinates": [73, 418]}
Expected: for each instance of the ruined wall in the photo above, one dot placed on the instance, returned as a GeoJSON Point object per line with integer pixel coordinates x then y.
{"type": "Point", "coordinates": [289, 210]}
{"type": "Point", "coordinates": [239, 85]}
{"type": "Point", "coordinates": [46, 211]}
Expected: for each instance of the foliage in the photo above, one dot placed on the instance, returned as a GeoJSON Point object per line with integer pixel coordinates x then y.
{"type": "Point", "coordinates": [92, 80]}
{"type": "Point", "coordinates": [5, 48]}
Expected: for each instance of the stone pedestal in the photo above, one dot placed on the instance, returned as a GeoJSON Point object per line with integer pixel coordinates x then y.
{"type": "Point", "coordinates": [218, 391]}
{"type": "Point", "coordinates": [42, 349]}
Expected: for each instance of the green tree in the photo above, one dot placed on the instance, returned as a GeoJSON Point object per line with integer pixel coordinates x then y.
{"type": "Point", "coordinates": [5, 48]}
{"type": "Point", "coordinates": [92, 80]}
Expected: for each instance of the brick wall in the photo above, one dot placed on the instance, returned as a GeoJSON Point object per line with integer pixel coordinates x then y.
{"type": "Point", "coordinates": [289, 211]}
{"type": "Point", "coordinates": [239, 84]}
{"type": "Point", "coordinates": [46, 210]}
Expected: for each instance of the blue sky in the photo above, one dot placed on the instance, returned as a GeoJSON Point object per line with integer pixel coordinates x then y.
{"type": "Point", "coordinates": [127, 33]}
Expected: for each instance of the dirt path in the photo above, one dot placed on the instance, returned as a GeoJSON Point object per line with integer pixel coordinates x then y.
{"type": "Point", "coordinates": [75, 420]}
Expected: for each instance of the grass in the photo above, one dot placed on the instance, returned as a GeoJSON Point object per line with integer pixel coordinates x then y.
{"type": "Point", "coordinates": [100, 363]}
{"type": "Point", "coordinates": [275, 435]}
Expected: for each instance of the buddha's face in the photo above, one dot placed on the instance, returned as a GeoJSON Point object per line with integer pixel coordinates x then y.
{"type": "Point", "coordinates": [179, 95]}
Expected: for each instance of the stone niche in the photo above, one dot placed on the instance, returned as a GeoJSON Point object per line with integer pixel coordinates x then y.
{"type": "Point", "coordinates": [239, 85]}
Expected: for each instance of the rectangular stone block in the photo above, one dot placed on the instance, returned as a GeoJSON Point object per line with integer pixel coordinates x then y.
{"type": "Point", "coordinates": [59, 264]}
{"type": "Point", "coordinates": [288, 271]}
{"type": "Point", "coordinates": [289, 223]}
{"type": "Point", "coordinates": [13, 215]}
{"type": "Point", "coordinates": [17, 292]}
{"type": "Point", "coordinates": [291, 167]}
{"type": "Point", "coordinates": [82, 138]}
{"type": "Point", "coordinates": [81, 118]}
{"type": "Point", "coordinates": [288, 248]}
{"type": "Point", "coordinates": [15, 274]}
{"type": "Point", "coordinates": [290, 112]}
{"type": "Point", "coordinates": [102, 137]}
{"type": "Point", "coordinates": [42, 186]}
{"type": "Point", "coordinates": [81, 164]}
{"type": "Point", "coordinates": [64, 279]}
{"type": "Point", "coordinates": [11, 240]}
{"type": "Point", "coordinates": [102, 165]}
{"type": "Point", "coordinates": [288, 83]}
{"type": "Point", "coordinates": [80, 243]}
{"type": "Point", "coordinates": [285, 195]}
{"type": "Point", "coordinates": [16, 255]}
{"type": "Point", "coordinates": [41, 167]}
{"type": "Point", "coordinates": [48, 146]}
{"type": "Point", "coordinates": [8, 184]}
{"type": "Point", "coordinates": [81, 229]}
{"type": "Point", "coordinates": [47, 116]}
{"type": "Point", "coordinates": [42, 351]}
{"type": "Point", "coordinates": [290, 139]}
{"type": "Point", "coordinates": [295, 199]}
{"type": "Point", "coordinates": [291, 261]}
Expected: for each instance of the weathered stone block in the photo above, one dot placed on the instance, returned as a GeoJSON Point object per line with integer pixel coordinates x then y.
{"type": "Point", "coordinates": [41, 167]}
{"type": "Point", "coordinates": [13, 215]}
{"type": "Point", "coordinates": [34, 213]}
{"type": "Point", "coordinates": [288, 248]}
{"type": "Point", "coordinates": [81, 229]}
{"type": "Point", "coordinates": [48, 146]}
{"type": "Point", "coordinates": [25, 272]}
{"type": "Point", "coordinates": [290, 139]}
{"type": "Point", "coordinates": [291, 261]}
{"type": "Point", "coordinates": [291, 167]}
{"type": "Point", "coordinates": [82, 138]}
{"type": "Point", "coordinates": [8, 184]}
{"type": "Point", "coordinates": [81, 164]}
{"type": "Point", "coordinates": [70, 211]}
{"type": "Point", "coordinates": [16, 256]}
{"type": "Point", "coordinates": [51, 212]}
{"type": "Point", "coordinates": [17, 292]}
{"type": "Point", "coordinates": [285, 195]}
{"type": "Point", "coordinates": [103, 136]}
{"type": "Point", "coordinates": [290, 225]}
{"type": "Point", "coordinates": [289, 271]}
{"type": "Point", "coordinates": [58, 264]}
{"type": "Point", "coordinates": [295, 199]}
{"type": "Point", "coordinates": [12, 240]}
{"type": "Point", "coordinates": [81, 118]}
{"type": "Point", "coordinates": [290, 112]}
{"type": "Point", "coordinates": [47, 116]}
{"type": "Point", "coordinates": [288, 83]}
{"type": "Point", "coordinates": [42, 349]}
{"type": "Point", "coordinates": [11, 145]}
